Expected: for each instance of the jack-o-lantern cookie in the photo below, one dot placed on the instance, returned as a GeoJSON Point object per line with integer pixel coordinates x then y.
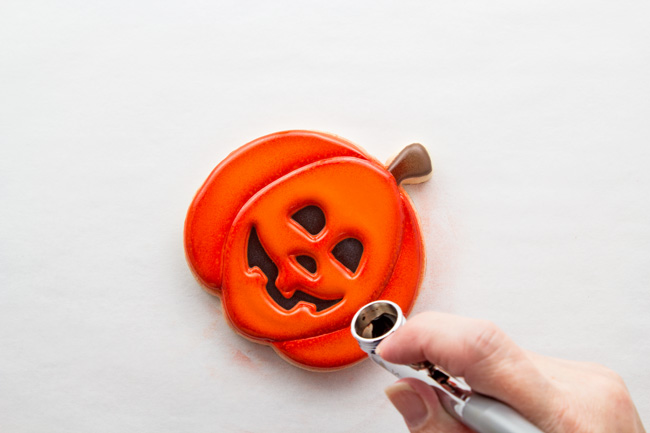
{"type": "Point", "coordinates": [297, 230]}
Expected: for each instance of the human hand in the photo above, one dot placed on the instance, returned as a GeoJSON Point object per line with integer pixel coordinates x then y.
{"type": "Point", "coordinates": [557, 395]}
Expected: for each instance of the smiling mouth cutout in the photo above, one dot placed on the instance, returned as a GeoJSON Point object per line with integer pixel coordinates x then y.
{"type": "Point", "coordinates": [257, 257]}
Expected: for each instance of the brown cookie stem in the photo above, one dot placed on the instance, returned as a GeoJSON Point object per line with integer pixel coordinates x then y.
{"type": "Point", "coordinates": [412, 163]}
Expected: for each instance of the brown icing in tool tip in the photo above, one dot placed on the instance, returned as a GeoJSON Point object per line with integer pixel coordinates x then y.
{"type": "Point", "coordinates": [411, 165]}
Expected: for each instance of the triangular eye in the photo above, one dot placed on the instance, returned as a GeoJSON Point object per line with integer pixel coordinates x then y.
{"type": "Point", "coordinates": [311, 218]}
{"type": "Point", "coordinates": [348, 252]}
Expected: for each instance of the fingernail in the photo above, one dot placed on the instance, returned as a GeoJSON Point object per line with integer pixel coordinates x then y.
{"type": "Point", "coordinates": [378, 349]}
{"type": "Point", "coordinates": [408, 403]}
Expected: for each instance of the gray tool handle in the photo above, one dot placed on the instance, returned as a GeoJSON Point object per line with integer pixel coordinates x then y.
{"type": "Point", "coordinates": [486, 415]}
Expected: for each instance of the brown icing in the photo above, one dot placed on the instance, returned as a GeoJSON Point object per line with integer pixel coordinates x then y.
{"type": "Point", "coordinates": [411, 165]}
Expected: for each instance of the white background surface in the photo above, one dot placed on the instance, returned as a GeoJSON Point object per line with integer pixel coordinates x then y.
{"type": "Point", "coordinates": [112, 114]}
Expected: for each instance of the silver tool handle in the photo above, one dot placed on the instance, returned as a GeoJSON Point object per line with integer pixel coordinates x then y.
{"type": "Point", "coordinates": [486, 415]}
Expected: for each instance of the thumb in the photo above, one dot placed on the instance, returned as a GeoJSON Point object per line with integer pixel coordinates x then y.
{"type": "Point", "coordinates": [490, 362]}
{"type": "Point", "coordinates": [418, 404]}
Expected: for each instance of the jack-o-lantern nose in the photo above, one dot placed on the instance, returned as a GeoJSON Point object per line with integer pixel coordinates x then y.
{"type": "Point", "coordinates": [308, 263]}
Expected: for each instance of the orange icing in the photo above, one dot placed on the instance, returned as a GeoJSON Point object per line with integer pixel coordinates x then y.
{"type": "Point", "coordinates": [259, 187]}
